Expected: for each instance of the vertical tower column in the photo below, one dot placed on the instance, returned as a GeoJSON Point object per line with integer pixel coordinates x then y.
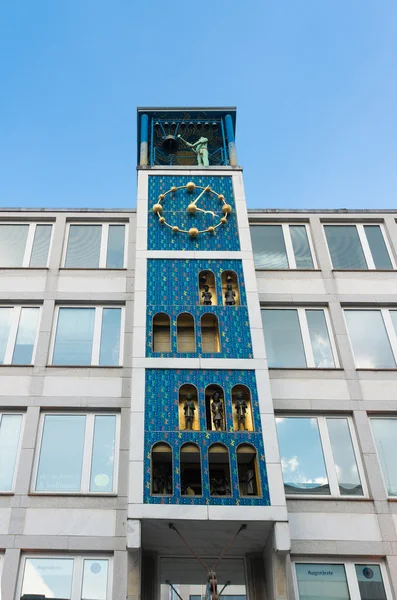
{"type": "Point", "coordinates": [143, 153]}
{"type": "Point", "coordinates": [231, 141]}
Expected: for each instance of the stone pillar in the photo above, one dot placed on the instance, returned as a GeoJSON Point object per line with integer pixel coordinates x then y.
{"type": "Point", "coordinates": [275, 558]}
{"type": "Point", "coordinates": [255, 581]}
{"type": "Point", "coordinates": [150, 580]}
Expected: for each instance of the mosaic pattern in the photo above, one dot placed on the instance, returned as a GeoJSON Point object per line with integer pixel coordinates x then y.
{"type": "Point", "coordinates": [161, 425]}
{"type": "Point", "coordinates": [162, 238]}
{"type": "Point", "coordinates": [165, 294]}
{"type": "Point", "coordinates": [175, 282]}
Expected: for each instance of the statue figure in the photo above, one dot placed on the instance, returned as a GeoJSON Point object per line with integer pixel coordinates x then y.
{"type": "Point", "coordinates": [200, 148]}
{"type": "Point", "coordinates": [217, 411]}
{"type": "Point", "coordinates": [220, 486]}
{"type": "Point", "coordinates": [188, 408]}
{"type": "Point", "coordinates": [241, 410]}
{"type": "Point", "coordinates": [161, 481]}
{"type": "Point", "coordinates": [230, 295]}
{"type": "Point", "coordinates": [206, 295]}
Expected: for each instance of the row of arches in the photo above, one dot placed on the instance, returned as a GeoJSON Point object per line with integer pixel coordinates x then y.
{"type": "Point", "coordinates": [207, 289]}
{"type": "Point", "coordinates": [185, 333]}
{"type": "Point", "coordinates": [216, 416]}
{"type": "Point", "coordinates": [190, 470]}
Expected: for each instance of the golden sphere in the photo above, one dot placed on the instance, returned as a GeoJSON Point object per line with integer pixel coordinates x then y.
{"type": "Point", "coordinates": [223, 220]}
{"type": "Point", "coordinates": [208, 189]}
{"type": "Point", "coordinates": [175, 229]}
{"type": "Point", "coordinates": [190, 186]}
{"type": "Point", "coordinates": [162, 196]}
{"type": "Point", "coordinates": [174, 188]}
{"type": "Point", "coordinates": [192, 208]}
{"type": "Point", "coordinates": [161, 220]}
{"type": "Point", "coordinates": [221, 197]}
{"type": "Point", "coordinates": [193, 232]}
{"type": "Point", "coordinates": [226, 209]}
{"type": "Point", "coordinates": [157, 208]}
{"type": "Point", "coordinates": [211, 229]}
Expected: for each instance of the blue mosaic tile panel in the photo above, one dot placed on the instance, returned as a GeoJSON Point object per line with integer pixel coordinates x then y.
{"type": "Point", "coordinates": [161, 425]}
{"type": "Point", "coordinates": [175, 204]}
{"type": "Point", "coordinates": [173, 288]}
{"type": "Point", "coordinates": [175, 282]}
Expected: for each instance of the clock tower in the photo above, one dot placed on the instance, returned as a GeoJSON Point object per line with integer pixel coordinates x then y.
{"type": "Point", "coordinates": [206, 500]}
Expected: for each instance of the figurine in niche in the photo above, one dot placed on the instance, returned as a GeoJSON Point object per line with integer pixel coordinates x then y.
{"type": "Point", "coordinates": [220, 486]}
{"type": "Point", "coordinates": [248, 480]}
{"type": "Point", "coordinates": [241, 410]}
{"type": "Point", "coordinates": [159, 481]}
{"type": "Point", "coordinates": [206, 295]}
{"type": "Point", "coordinates": [188, 408]}
{"type": "Point", "coordinates": [217, 411]}
{"type": "Point", "coordinates": [230, 294]}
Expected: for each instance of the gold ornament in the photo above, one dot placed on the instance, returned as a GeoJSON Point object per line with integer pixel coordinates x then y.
{"type": "Point", "coordinates": [211, 229]}
{"type": "Point", "coordinates": [162, 196]}
{"type": "Point", "coordinates": [223, 220]}
{"type": "Point", "coordinates": [175, 229]}
{"type": "Point", "coordinates": [174, 188]}
{"type": "Point", "coordinates": [193, 232]}
{"type": "Point", "coordinates": [190, 186]}
{"type": "Point", "coordinates": [208, 189]}
{"type": "Point", "coordinates": [161, 220]}
{"type": "Point", "coordinates": [157, 208]}
{"type": "Point", "coordinates": [221, 197]}
{"type": "Point", "coordinates": [226, 209]}
{"type": "Point", "coordinates": [192, 209]}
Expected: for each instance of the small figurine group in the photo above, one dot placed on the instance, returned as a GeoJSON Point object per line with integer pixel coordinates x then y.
{"type": "Point", "coordinates": [217, 411]}
{"type": "Point", "coordinates": [230, 294]}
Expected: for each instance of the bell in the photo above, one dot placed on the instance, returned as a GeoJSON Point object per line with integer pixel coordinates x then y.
{"type": "Point", "coordinates": [214, 126]}
{"type": "Point", "coordinates": [170, 144]}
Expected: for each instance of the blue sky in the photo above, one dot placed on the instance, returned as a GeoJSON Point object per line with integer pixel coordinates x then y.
{"type": "Point", "coordinates": [314, 82]}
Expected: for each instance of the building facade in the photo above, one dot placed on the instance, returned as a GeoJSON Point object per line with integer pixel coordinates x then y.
{"type": "Point", "coordinates": [192, 387]}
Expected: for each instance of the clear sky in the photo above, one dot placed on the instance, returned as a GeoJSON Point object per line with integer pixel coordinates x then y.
{"type": "Point", "coordinates": [314, 82]}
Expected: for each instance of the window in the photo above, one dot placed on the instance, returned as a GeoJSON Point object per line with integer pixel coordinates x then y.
{"type": "Point", "coordinates": [373, 336]}
{"type": "Point", "coordinates": [10, 434]}
{"type": "Point", "coordinates": [358, 247]}
{"type": "Point", "coordinates": [68, 577]}
{"type": "Point", "coordinates": [88, 465]}
{"type": "Point", "coordinates": [248, 474]}
{"type": "Point", "coordinates": [298, 338]}
{"type": "Point", "coordinates": [18, 332]}
{"type": "Point", "coordinates": [282, 246]}
{"type": "Point", "coordinates": [318, 456]}
{"type": "Point", "coordinates": [95, 246]}
{"type": "Point", "coordinates": [161, 335]}
{"type": "Point", "coordinates": [219, 470]}
{"type": "Point", "coordinates": [341, 581]}
{"type": "Point", "coordinates": [385, 434]}
{"type": "Point", "coordinates": [185, 333]}
{"type": "Point", "coordinates": [24, 244]}
{"type": "Point", "coordinates": [161, 470]}
{"type": "Point", "coordinates": [210, 333]}
{"type": "Point", "coordinates": [90, 335]}
{"type": "Point", "coordinates": [190, 468]}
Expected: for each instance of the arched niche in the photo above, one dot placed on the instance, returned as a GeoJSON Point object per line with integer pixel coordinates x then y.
{"type": "Point", "coordinates": [188, 408]}
{"type": "Point", "coordinates": [215, 413]}
{"type": "Point", "coordinates": [242, 408]}
{"type": "Point", "coordinates": [230, 289]}
{"type": "Point", "coordinates": [219, 470]}
{"type": "Point", "coordinates": [210, 341]}
{"type": "Point", "coordinates": [161, 333]}
{"type": "Point", "coordinates": [207, 289]}
{"type": "Point", "coordinates": [190, 469]}
{"type": "Point", "coordinates": [185, 332]}
{"type": "Point", "coordinates": [161, 470]}
{"type": "Point", "coordinates": [248, 473]}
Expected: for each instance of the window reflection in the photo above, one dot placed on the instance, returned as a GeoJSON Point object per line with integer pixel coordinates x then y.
{"type": "Point", "coordinates": [344, 457]}
{"type": "Point", "coordinates": [283, 338]}
{"type": "Point", "coordinates": [369, 339]}
{"type": "Point", "coordinates": [51, 577]}
{"type": "Point", "coordinates": [385, 433]}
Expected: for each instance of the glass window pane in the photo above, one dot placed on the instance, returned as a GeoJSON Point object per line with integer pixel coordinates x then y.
{"type": "Point", "coordinates": [26, 335]}
{"type": "Point", "coordinates": [345, 247]}
{"type": "Point", "coordinates": [322, 581]}
{"type": "Point", "coordinates": [269, 247]}
{"type": "Point", "coordinates": [103, 454]}
{"type": "Point", "coordinates": [377, 246]}
{"type": "Point", "coordinates": [115, 251]}
{"type": "Point", "coordinates": [370, 582]}
{"type": "Point", "coordinates": [61, 462]}
{"type": "Point", "coordinates": [50, 577]}
{"type": "Point", "coordinates": [74, 336]}
{"type": "Point", "coordinates": [110, 337]}
{"type": "Point", "coordinates": [95, 579]}
{"type": "Point", "coordinates": [300, 243]}
{"type": "Point", "coordinates": [344, 457]}
{"type": "Point", "coordinates": [302, 458]}
{"type": "Point", "coordinates": [84, 246]}
{"type": "Point", "coordinates": [12, 244]}
{"type": "Point", "coordinates": [385, 433]}
{"type": "Point", "coordinates": [5, 322]}
{"type": "Point", "coordinates": [321, 346]}
{"type": "Point", "coordinates": [369, 339]}
{"type": "Point", "coordinates": [41, 244]}
{"type": "Point", "coordinates": [10, 428]}
{"type": "Point", "coordinates": [283, 338]}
